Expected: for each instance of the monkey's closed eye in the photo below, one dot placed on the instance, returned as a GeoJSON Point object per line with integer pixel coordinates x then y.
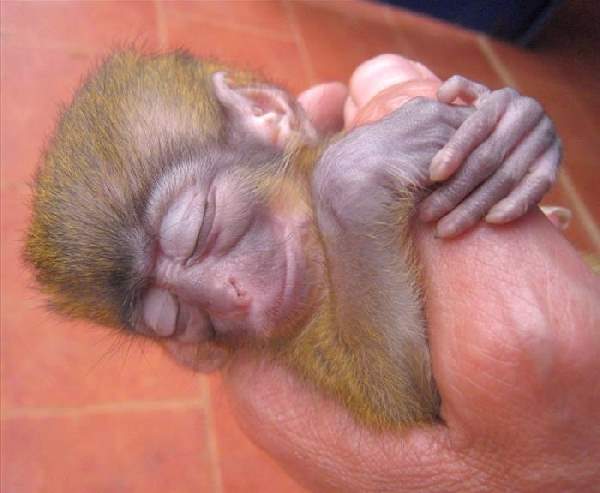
{"type": "Point", "coordinates": [201, 245]}
{"type": "Point", "coordinates": [181, 224]}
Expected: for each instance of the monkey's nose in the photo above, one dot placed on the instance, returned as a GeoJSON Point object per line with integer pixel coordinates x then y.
{"type": "Point", "coordinates": [229, 300]}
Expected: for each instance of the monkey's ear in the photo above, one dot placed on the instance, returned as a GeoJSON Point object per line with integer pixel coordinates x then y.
{"type": "Point", "coordinates": [264, 111]}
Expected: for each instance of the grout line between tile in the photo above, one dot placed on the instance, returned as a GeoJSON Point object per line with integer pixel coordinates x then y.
{"type": "Point", "coordinates": [300, 42]}
{"type": "Point", "coordinates": [249, 29]}
{"type": "Point", "coordinates": [587, 220]}
{"type": "Point", "coordinates": [494, 60]}
{"type": "Point", "coordinates": [112, 408]}
{"type": "Point", "coordinates": [162, 30]}
{"type": "Point", "coordinates": [211, 436]}
{"type": "Point", "coordinates": [161, 25]}
{"type": "Point", "coordinates": [580, 209]}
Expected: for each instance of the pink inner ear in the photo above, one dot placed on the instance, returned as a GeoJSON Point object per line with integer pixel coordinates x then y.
{"type": "Point", "coordinates": [265, 111]}
{"type": "Point", "coordinates": [242, 100]}
{"type": "Point", "coordinates": [267, 100]}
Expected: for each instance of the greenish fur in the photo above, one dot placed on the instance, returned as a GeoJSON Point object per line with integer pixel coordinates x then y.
{"type": "Point", "coordinates": [356, 365]}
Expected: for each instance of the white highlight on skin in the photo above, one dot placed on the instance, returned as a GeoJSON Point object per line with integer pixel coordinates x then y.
{"type": "Point", "coordinates": [160, 312]}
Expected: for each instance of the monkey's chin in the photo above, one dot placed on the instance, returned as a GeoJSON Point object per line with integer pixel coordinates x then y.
{"type": "Point", "coordinates": [204, 358]}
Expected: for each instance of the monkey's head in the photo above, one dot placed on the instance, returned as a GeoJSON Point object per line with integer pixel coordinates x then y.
{"type": "Point", "coordinates": [166, 206]}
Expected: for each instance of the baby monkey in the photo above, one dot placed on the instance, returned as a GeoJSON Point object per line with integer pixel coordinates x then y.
{"type": "Point", "coordinates": [197, 205]}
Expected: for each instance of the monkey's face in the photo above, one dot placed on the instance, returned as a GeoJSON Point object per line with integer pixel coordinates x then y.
{"type": "Point", "coordinates": [228, 260]}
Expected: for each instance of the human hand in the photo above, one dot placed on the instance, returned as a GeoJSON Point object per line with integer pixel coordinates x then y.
{"type": "Point", "coordinates": [515, 349]}
{"type": "Point", "coordinates": [324, 104]}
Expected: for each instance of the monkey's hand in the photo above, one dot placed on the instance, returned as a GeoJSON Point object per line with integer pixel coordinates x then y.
{"type": "Point", "coordinates": [500, 162]}
{"type": "Point", "coordinates": [358, 176]}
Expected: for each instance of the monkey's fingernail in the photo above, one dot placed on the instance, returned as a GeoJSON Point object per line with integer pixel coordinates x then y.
{"type": "Point", "coordinates": [497, 215]}
{"type": "Point", "coordinates": [440, 166]}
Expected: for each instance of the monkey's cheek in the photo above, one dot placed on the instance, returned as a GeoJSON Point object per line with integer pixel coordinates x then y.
{"type": "Point", "coordinates": [204, 358]}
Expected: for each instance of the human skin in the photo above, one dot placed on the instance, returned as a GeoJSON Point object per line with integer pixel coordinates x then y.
{"type": "Point", "coordinates": [515, 346]}
{"type": "Point", "coordinates": [513, 326]}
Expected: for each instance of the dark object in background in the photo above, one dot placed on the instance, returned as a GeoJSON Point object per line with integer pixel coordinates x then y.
{"type": "Point", "coordinates": [514, 20]}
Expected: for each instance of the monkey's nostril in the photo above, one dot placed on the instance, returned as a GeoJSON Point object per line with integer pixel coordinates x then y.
{"type": "Point", "coordinates": [239, 291]}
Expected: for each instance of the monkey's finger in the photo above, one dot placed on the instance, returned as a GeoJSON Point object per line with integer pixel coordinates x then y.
{"type": "Point", "coordinates": [455, 116]}
{"type": "Point", "coordinates": [471, 210]}
{"type": "Point", "coordinates": [458, 86]}
{"type": "Point", "coordinates": [530, 190]}
{"type": "Point", "coordinates": [483, 161]}
{"type": "Point", "coordinates": [474, 131]}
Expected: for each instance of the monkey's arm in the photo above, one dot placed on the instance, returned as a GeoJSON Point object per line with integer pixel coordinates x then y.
{"type": "Point", "coordinates": [363, 191]}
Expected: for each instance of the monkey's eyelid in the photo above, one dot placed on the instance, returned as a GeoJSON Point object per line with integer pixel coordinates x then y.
{"type": "Point", "coordinates": [180, 225]}
{"type": "Point", "coordinates": [204, 232]}
{"type": "Point", "coordinates": [197, 241]}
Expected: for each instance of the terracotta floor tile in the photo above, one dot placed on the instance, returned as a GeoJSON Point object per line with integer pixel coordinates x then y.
{"type": "Point", "coordinates": [34, 82]}
{"type": "Point", "coordinates": [278, 59]}
{"type": "Point", "coordinates": [90, 26]}
{"type": "Point", "coordinates": [444, 48]}
{"type": "Point", "coordinates": [50, 363]}
{"type": "Point", "coordinates": [359, 9]}
{"type": "Point", "coordinates": [265, 17]}
{"type": "Point", "coordinates": [571, 40]}
{"type": "Point", "coordinates": [337, 41]}
{"type": "Point", "coordinates": [157, 451]}
{"type": "Point", "coordinates": [244, 467]}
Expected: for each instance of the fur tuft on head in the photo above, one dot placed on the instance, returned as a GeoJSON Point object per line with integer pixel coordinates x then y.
{"type": "Point", "coordinates": [133, 118]}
